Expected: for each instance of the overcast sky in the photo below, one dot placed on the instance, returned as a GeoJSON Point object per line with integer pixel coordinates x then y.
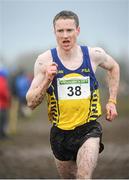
{"type": "Point", "coordinates": [26, 25]}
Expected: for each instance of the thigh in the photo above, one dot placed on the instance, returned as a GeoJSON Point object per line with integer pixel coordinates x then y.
{"type": "Point", "coordinates": [87, 157]}
{"type": "Point", "coordinates": [66, 169]}
{"type": "Point", "coordinates": [59, 141]}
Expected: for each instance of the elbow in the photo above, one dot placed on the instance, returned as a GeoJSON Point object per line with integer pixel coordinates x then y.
{"type": "Point", "coordinates": [30, 105]}
{"type": "Point", "coordinates": [116, 68]}
{"type": "Point", "coordinates": [116, 71]}
{"type": "Point", "coordinates": [29, 102]}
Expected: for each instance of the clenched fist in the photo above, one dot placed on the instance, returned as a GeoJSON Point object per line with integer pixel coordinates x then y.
{"type": "Point", "coordinates": [111, 111]}
{"type": "Point", "coordinates": [51, 71]}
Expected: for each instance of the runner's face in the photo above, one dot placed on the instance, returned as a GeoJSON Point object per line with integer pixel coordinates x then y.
{"type": "Point", "coordinates": [66, 33]}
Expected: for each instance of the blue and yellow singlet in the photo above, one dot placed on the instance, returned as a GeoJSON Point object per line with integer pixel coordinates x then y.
{"type": "Point", "coordinates": [73, 96]}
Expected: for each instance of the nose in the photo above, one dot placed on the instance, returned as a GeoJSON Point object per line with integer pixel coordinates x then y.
{"type": "Point", "coordinates": [65, 34]}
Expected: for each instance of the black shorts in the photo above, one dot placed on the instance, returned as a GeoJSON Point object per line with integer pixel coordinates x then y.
{"type": "Point", "coordinates": [66, 143]}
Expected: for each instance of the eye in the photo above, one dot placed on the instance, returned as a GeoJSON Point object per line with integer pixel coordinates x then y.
{"type": "Point", "coordinates": [69, 30]}
{"type": "Point", "coordinates": [60, 30]}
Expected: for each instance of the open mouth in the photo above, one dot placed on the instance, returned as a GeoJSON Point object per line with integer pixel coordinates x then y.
{"type": "Point", "coordinates": [66, 42]}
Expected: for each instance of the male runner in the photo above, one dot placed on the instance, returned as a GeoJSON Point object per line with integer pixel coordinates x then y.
{"type": "Point", "coordinates": [66, 74]}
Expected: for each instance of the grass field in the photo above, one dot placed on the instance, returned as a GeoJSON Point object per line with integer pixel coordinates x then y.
{"type": "Point", "coordinates": [27, 154]}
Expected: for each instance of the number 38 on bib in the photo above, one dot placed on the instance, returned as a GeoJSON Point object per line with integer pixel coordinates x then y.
{"type": "Point", "coordinates": [73, 88]}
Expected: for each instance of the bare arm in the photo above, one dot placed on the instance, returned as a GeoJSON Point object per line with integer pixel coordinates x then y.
{"type": "Point", "coordinates": [44, 72]}
{"type": "Point", "coordinates": [100, 58]}
{"type": "Point", "coordinates": [113, 75]}
{"type": "Point", "coordinates": [113, 83]}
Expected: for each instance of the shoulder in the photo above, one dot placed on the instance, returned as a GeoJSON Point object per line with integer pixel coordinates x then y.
{"type": "Point", "coordinates": [44, 58]}
{"type": "Point", "coordinates": [42, 61]}
{"type": "Point", "coordinates": [97, 55]}
{"type": "Point", "coordinates": [100, 58]}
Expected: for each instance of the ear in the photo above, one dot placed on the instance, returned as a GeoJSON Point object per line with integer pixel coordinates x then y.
{"type": "Point", "coordinates": [78, 30]}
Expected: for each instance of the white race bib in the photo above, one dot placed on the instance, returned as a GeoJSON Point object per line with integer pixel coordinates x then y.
{"type": "Point", "coordinates": [73, 88]}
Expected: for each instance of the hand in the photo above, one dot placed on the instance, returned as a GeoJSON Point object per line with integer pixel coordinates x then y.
{"type": "Point", "coordinates": [51, 71]}
{"type": "Point", "coordinates": [111, 111]}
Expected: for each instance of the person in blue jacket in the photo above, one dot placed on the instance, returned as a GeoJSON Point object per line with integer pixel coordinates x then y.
{"type": "Point", "coordinates": [22, 84]}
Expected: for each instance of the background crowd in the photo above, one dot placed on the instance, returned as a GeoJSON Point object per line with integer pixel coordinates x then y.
{"type": "Point", "coordinates": [13, 88]}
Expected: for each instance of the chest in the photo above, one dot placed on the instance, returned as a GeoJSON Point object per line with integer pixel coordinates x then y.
{"type": "Point", "coordinates": [72, 63]}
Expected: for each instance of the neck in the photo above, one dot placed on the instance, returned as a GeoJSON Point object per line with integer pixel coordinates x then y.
{"type": "Point", "coordinates": [68, 55]}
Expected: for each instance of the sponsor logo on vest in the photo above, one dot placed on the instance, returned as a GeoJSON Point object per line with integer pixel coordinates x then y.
{"type": "Point", "coordinates": [74, 81]}
{"type": "Point", "coordinates": [86, 70]}
{"type": "Point", "coordinates": [60, 71]}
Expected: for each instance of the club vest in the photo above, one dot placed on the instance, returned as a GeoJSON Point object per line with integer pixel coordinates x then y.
{"type": "Point", "coordinates": [73, 96]}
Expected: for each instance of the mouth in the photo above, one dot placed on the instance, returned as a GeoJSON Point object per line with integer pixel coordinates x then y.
{"type": "Point", "coordinates": [66, 42]}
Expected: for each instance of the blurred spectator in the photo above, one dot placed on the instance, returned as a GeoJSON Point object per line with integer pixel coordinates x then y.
{"type": "Point", "coordinates": [14, 102]}
{"type": "Point", "coordinates": [12, 81]}
{"type": "Point", "coordinates": [22, 84]}
{"type": "Point", "coordinates": [5, 101]}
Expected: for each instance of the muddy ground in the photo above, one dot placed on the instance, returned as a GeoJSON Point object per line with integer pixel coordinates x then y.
{"type": "Point", "coordinates": [27, 154]}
